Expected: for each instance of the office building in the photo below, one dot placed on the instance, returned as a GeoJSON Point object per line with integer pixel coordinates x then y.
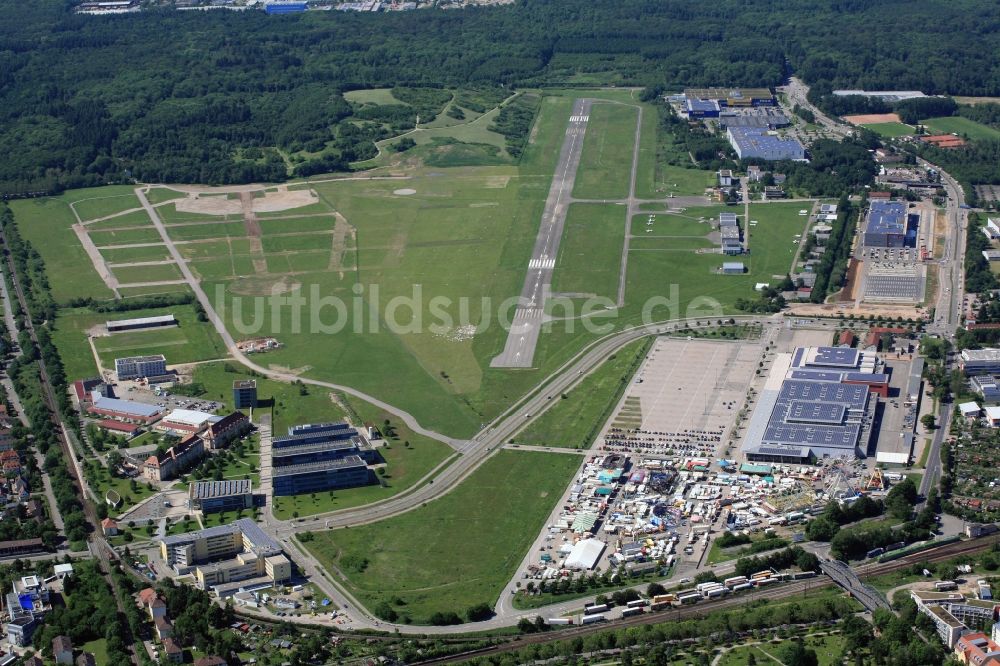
{"type": "Point", "coordinates": [347, 472]}
{"type": "Point", "coordinates": [226, 554]}
{"type": "Point", "coordinates": [245, 394]}
{"type": "Point", "coordinates": [981, 361]}
{"type": "Point", "coordinates": [757, 143]}
{"type": "Point", "coordinates": [219, 496]}
{"type": "Point", "coordinates": [219, 434]}
{"type": "Point", "coordinates": [136, 367]}
{"type": "Point", "coordinates": [178, 458]}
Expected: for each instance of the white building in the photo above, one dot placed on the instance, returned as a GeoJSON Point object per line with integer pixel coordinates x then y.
{"type": "Point", "coordinates": [134, 367]}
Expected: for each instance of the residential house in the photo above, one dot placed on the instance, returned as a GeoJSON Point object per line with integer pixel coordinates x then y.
{"type": "Point", "coordinates": [62, 650]}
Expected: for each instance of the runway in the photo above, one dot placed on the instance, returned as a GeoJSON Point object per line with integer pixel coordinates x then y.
{"type": "Point", "coordinates": [519, 350]}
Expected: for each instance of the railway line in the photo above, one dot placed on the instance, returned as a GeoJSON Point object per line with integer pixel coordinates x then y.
{"type": "Point", "coordinates": [788, 590]}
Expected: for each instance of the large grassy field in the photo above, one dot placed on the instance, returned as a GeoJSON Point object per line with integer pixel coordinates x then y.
{"type": "Point", "coordinates": [590, 254]}
{"type": "Point", "coordinates": [962, 127]}
{"type": "Point", "coordinates": [890, 130]}
{"type": "Point", "coordinates": [606, 163]}
{"type": "Point", "coordinates": [104, 205]}
{"type": "Point", "coordinates": [47, 224]}
{"type": "Point", "coordinates": [578, 415]}
{"type": "Point", "coordinates": [456, 551]}
{"type": "Point", "coordinates": [191, 341]}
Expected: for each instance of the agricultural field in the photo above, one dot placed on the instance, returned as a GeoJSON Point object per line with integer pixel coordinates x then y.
{"type": "Point", "coordinates": [399, 563]}
{"type": "Point", "coordinates": [961, 126]}
{"type": "Point", "coordinates": [889, 130]}
{"type": "Point", "coordinates": [607, 145]}
{"type": "Point", "coordinates": [577, 417]}
{"type": "Point", "coordinates": [590, 254]}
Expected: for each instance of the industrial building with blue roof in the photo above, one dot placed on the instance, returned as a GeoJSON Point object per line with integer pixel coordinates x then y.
{"type": "Point", "coordinates": [757, 143]}
{"type": "Point", "coordinates": [889, 225]}
{"type": "Point", "coordinates": [815, 404]}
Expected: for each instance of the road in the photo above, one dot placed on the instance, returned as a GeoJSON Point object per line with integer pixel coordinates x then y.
{"type": "Point", "coordinates": [948, 306]}
{"type": "Point", "coordinates": [797, 92]}
{"type": "Point", "coordinates": [519, 350]}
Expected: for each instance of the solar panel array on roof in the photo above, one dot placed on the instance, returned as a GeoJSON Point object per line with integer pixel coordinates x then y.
{"type": "Point", "coordinates": [834, 356]}
{"type": "Point", "coordinates": [815, 412]}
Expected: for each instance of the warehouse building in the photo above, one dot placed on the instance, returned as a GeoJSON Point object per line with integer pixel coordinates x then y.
{"type": "Point", "coordinates": [763, 118]}
{"type": "Point", "coordinates": [135, 367]}
{"type": "Point", "coordinates": [219, 496]}
{"type": "Point", "coordinates": [729, 230]}
{"type": "Point", "coordinates": [227, 553]}
{"type": "Point", "coordinates": [733, 268]}
{"type": "Point", "coordinates": [122, 410]}
{"type": "Point", "coordinates": [285, 7]}
{"type": "Point", "coordinates": [701, 108]}
{"type": "Point", "coordinates": [757, 143]}
{"type": "Point", "coordinates": [186, 421]}
{"type": "Point", "coordinates": [981, 361]}
{"type": "Point", "coordinates": [889, 225]}
{"type": "Point", "coordinates": [245, 394]}
{"type": "Point", "coordinates": [733, 97]}
{"type": "Point", "coordinates": [815, 404]}
{"type": "Point", "coordinates": [347, 472]}
{"type": "Point", "coordinates": [141, 323]}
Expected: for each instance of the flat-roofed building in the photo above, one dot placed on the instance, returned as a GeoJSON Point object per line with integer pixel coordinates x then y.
{"type": "Point", "coordinates": [129, 411]}
{"type": "Point", "coordinates": [141, 323]}
{"type": "Point", "coordinates": [758, 143]}
{"type": "Point", "coordinates": [981, 361]}
{"type": "Point", "coordinates": [347, 472]}
{"type": "Point", "coordinates": [218, 496]}
{"type": "Point", "coordinates": [218, 555]}
{"type": "Point", "coordinates": [890, 225]}
{"type": "Point", "coordinates": [136, 367]}
{"type": "Point", "coordinates": [244, 394]}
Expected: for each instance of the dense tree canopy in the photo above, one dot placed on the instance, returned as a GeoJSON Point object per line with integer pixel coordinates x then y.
{"type": "Point", "coordinates": [208, 96]}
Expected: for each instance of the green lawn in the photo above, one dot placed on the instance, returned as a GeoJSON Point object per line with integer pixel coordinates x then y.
{"type": "Point", "coordinates": [590, 254]}
{"type": "Point", "coordinates": [101, 480]}
{"type": "Point", "coordinates": [574, 420]}
{"type": "Point", "coordinates": [137, 218]}
{"type": "Point", "coordinates": [103, 205]}
{"type": "Point", "coordinates": [296, 224]}
{"type": "Point", "coordinates": [890, 129]}
{"type": "Point", "coordinates": [377, 96]}
{"type": "Point", "coordinates": [47, 224]}
{"type": "Point", "coordinates": [151, 273]}
{"type": "Point", "coordinates": [675, 224]}
{"type": "Point", "coordinates": [456, 551]}
{"type": "Point", "coordinates": [157, 195]}
{"type": "Point", "coordinates": [961, 126]}
{"type": "Point", "coordinates": [606, 163]}
{"type": "Point", "coordinates": [129, 254]}
{"type": "Point", "coordinates": [130, 292]}
{"type": "Point", "coordinates": [99, 649]}
{"type": "Point", "coordinates": [126, 236]}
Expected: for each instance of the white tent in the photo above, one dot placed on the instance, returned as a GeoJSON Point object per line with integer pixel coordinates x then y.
{"type": "Point", "coordinates": [585, 554]}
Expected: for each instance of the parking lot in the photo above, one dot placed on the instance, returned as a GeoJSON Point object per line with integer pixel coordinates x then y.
{"type": "Point", "coordinates": [684, 398]}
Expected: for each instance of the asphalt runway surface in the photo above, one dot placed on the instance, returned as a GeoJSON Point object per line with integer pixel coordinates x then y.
{"type": "Point", "coordinates": [519, 351]}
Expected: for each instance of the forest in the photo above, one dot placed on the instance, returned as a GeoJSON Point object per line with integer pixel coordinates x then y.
{"type": "Point", "coordinates": [221, 97]}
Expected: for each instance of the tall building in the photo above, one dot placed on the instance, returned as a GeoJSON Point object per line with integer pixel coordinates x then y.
{"type": "Point", "coordinates": [244, 394]}
{"type": "Point", "coordinates": [135, 367]}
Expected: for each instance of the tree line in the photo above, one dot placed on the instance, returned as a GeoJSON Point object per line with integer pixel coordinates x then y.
{"type": "Point", "coordinates": [211, 96]}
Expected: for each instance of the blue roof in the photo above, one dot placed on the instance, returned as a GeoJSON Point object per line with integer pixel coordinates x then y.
{"type": "Point", "coordinates": [887, 217]}
{"type": "Point", "coordinates": [837, 356]}
{"type": "Point", "coordinates": [126, 406]}
{"type": "Point", "coordinates": [755, 142]}
{"type": "Point", "coordinates": [701, 105]}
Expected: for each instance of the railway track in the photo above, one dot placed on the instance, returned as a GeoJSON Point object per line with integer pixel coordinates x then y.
{"type": "Point", "coordinates": [941, 554]}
